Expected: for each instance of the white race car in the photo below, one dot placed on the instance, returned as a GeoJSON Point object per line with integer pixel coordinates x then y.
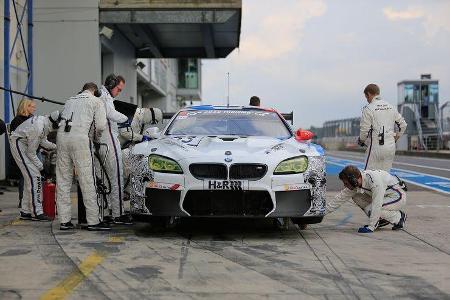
{"type": "Point", "coordinates": [218, 161]}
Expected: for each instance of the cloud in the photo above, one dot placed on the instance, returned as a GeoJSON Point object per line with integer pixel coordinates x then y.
{"type": "Point", "coordinates": [434, 16]}
{"type": "Point", "coordinates": [314, 58]}
{"type": "Point", "coordinates": [400, 15]}
{"type": "Point", "coordinates": [271, 35]}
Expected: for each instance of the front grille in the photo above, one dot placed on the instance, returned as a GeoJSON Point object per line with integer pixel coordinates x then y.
{"type": "Point", "coordinates": [228, 203]}
{"type": "Point", "coordinates": [208, 171]}
{"type": "Point", "coordinates": [248, 171]}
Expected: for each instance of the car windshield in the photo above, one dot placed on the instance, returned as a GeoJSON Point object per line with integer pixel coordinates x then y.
{"type": "Point", "coordinates": [229, 122]}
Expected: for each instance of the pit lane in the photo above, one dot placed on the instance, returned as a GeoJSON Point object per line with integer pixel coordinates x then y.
{"type": "Point", "coordinates": [230, 258]}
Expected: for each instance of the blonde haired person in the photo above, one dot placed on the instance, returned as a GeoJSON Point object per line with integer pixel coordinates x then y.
{"type": "Point", "coordinates": [25, 110]}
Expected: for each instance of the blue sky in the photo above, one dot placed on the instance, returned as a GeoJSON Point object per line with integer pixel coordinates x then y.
{"type": "Point", "coordinates": [315, 56]}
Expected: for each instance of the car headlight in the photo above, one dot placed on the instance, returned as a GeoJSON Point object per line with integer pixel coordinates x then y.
{"type": "Point", "coordinates": [293, 165]}
{"type": "Point", "coordinates": [163, 164]}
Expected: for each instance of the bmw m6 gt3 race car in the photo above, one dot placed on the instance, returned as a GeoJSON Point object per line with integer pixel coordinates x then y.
{"type": "Point", "coordinates": [218, 161]}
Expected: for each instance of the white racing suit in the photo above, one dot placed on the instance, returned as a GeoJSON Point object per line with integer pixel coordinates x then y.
{"type": "Point", "coordinates": [75, 150]}
{"type": "Point", "coordinates": [143, 118]}
{"type": "Point", "coordinates": [24, 142]}
{"type": "Point", "coordinates": [114, 168]}
{"type": "Point", "coordinates": [381, 196]}
{"type": "Point", "coordinates": [378, 123]}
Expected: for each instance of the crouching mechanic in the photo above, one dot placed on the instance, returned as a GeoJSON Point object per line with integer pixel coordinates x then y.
{"type": "Point", "coordinates": [24, 142]}
{"type": "Point", "coordinates": [143, 118]}
{"type": "Point", "coordinates": [379, 194]}
{"type": "Point", "coordinates": [82, 113]}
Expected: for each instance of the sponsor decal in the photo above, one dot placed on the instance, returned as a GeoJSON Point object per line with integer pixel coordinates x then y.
{"type": "Point", "coordinates": [164, 186]}
{"type": "Point", "coordinates": [228, 112]}
{"type": "Point", "coordinates": [236, 185]}
{"type": "Point", "coordinates": [296, 187]}
{"type": "Point", "coordinates": [39, 189]}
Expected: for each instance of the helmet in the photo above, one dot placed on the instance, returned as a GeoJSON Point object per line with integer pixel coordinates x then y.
{"type": "Point", "coordinates": [152, 115]}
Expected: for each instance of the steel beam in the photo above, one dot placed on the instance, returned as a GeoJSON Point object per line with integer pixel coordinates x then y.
{"type": "Point", "coordinates": [30, 47]}
{"type": "Point", "coordinates": [208, 41]}
{"type": "Point", "coordinates": [152, 43]}
{"type": "Point", "coordinates": [170, 4]}
{"type": "Point", "coordinates": [166, 17]}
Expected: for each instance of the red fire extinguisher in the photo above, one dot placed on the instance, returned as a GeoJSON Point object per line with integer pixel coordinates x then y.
{"type": "Point", "coordinates": [49, 203]}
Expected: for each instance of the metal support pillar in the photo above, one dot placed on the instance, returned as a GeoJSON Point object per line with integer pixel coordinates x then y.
{"type": "Point", "coordinates": [30, 46]}
{"type": "Point", "coordinates": [6, 60]}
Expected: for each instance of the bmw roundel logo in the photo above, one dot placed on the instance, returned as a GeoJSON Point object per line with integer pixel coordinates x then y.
{"type": "Point", "coordinates": [228, 159]}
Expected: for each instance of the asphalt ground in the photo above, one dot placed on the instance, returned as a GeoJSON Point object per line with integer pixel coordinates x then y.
{"type": "Point", "coordinates": [230, 258]}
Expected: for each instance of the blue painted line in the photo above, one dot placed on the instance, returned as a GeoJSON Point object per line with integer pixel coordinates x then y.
{"type": "Point", "coordinates": [432, 182]}
{"type": "Point", "coordinates": [332, 169]}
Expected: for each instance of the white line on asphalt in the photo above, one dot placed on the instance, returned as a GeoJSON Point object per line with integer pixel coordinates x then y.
{"type": "Point", "coordinates": [402, 163]}
{"type": "Point", "coordinates": [363, 155]}
{"type": "Point", "coordinates": [432, 206]}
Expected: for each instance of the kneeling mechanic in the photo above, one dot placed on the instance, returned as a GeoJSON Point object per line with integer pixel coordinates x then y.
{"type": "Point", "coordinates": [379, 194]}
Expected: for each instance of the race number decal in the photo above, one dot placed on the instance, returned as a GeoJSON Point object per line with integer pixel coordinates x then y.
{"type": "Point", "coordinates": [232, 185]}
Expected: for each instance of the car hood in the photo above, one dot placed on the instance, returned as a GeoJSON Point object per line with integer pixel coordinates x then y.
{"type": "Point", "coordinates": [210, 148]}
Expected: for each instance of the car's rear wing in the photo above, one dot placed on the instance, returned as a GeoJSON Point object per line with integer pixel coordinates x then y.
{"type": "Point", "coordinates": [286, 116]}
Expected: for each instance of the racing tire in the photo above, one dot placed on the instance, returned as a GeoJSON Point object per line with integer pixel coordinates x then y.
{"type": "Point", "coordinates": [162, 222]}
{"type": "Point", "coordinates": [302, 226]}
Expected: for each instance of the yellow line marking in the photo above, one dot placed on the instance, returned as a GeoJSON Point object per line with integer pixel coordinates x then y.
{"type": "Point", "coordinates": [115, 239]}
{"type": "Point", "coordinates": [16, 222]}
{"type": "Point", "coordinates": [65, 287]}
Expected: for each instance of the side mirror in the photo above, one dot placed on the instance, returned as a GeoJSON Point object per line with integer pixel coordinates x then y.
{"type": "Point", "coordinates": [303, 135]}
{"type": "Point", "coordinates": [152, 132]}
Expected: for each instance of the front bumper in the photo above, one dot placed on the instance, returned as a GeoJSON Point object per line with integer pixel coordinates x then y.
{"type": "Point", "coordinates": [300, 195]}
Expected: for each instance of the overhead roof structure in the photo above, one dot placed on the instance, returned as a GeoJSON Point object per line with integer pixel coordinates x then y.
{"type": "Point", "coordinates": [176, 28]}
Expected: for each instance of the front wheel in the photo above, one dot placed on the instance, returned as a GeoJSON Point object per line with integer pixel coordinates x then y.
{"type": "Point", "coordinates": [302, 226]}
{"type": "Point", "coordinates": [163, 222]}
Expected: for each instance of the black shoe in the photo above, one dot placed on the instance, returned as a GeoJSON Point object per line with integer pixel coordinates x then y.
{"type": "Point", "coordinates": [400, 223]}
{"type": "Point", "coordinates": [123, 220]}
{"type": "Point", "coordinates": [25, 216]}
{"type": "Point", "coordinates": [102, 226]}
{"type": "Point", "coordinates": [42, 218]}
{"type": "Point", "coordinates": [108, 219]}
{"type": "Point", "coordinates": [382, 223]}
{"type": "Point", "coordinates": [66, 226]}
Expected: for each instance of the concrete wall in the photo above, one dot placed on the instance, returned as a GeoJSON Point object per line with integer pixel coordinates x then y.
{"type": "Point", "coordinates": [120, 60]}
{"type": "Point", "coordinates": [168, 68]}
{"type": "Point", "coordinates": [66, 48]}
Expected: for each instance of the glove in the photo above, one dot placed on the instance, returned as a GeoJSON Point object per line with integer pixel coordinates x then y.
{"type": "Point", "coordinates": [361, 143]}
{"type": "Point", "coordinates": [146, 138]}
{"type": "Point", "coordinates": [364, 229]}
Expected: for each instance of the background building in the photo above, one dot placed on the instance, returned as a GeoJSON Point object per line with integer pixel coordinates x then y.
{"type": "Point", "coordinates": [51, 47]}
{"type": "Point", "coordinates": [418, 102]}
